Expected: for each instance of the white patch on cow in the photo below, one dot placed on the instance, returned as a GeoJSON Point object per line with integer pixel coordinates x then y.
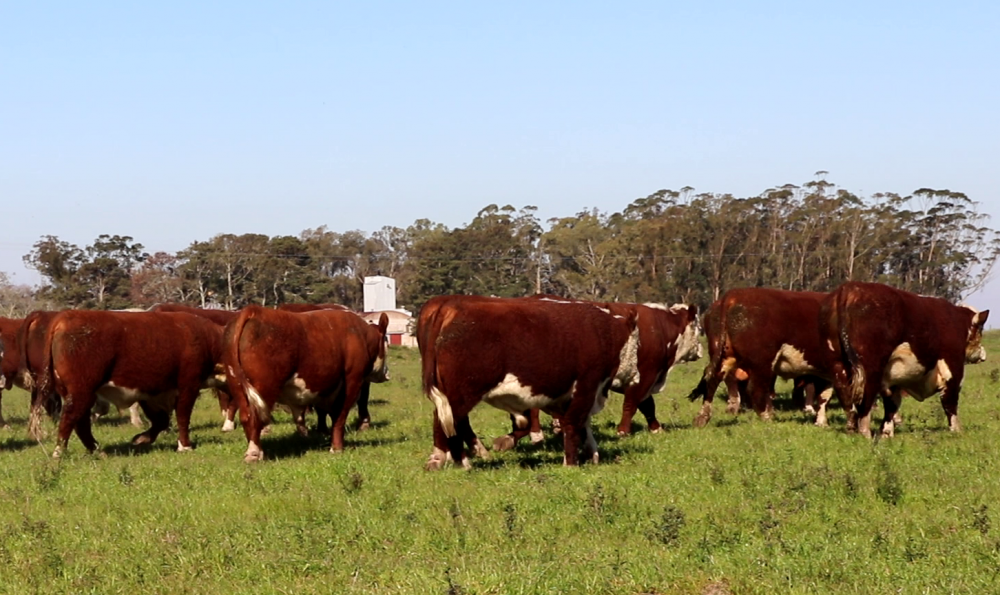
{"type": "Point", "coordinates": [790, 362]}
{"type": "Point", "coordinates": [536, 437]}
{"type": "Point", "coordinates": [600, 399]}
{"type": "Point", "coordinates": [628, 363]}
{"type": "Point", "coordinates": [545, 299]}
{"type": "Point", "coordinates": [663, 307]}
{"type": "Point", "coordinates": [905, 371]}
{"type": "Point", "coordinates": [606, 311]}
{"type": "Point", "coordinates": [445, 415]}
{"type": "Point", "coordinates": [254, 452]}
{"type": "Point", "coordinates": [228, 425]}
{"type": "Point", "coordinates": [659, 384]}
{"type": "Point", "coordinates": [728, 365]}
{"type": "Point", "coordinates": [182, 448]}
{"type": "Point", "coordinates": [295, 393]}
{"type": "Point", "coordinates": [514, 397]}
{"type": "Point", "coordinates": [123, 397]}
{"type": "Point", "coordinates": [258, 404]}
{"type": "Point", "coordinates": [520, 421]}
{"type": "Point", "coordinates": [829, 344]}
{"type": "Point", "coordinates": [380, 370]}
{"type": "Point", "coordinates": [688, 344]}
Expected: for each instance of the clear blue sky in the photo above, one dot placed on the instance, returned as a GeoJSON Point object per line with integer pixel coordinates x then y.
{"type": "Point", "coordinates": [175, 121]}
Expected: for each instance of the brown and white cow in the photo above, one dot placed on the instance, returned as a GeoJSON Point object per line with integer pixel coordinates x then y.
{"type": "Point", "coordinates": [364, 416]}
{"type": "Point", "coordinates": [515, 354]}
{"type": "Point", "coordinates": [885, 341]}
{"type": "Point", "coordinates": [161, 360]}
{"type": "Point", "coordinates": [11, 354]}
{"type": "Point", "coordinates": [300, 360]}
{"type": "Point", "coordinates": [667, 336]}
{"type": "Point", "coordinates": [804, 388]}
{"type": "Point", "coordinates": [227, 405]}
{"type": "Point", "coordinates": [766, 333]}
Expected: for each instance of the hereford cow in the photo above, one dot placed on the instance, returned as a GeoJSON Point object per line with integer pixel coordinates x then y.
{"type": "Point", "coordinates": [160, 359]}
{"type": "Point", "coordinates": [364, 417]}
{"type": "Point", "coordinates": [885, 341]}
{"type": "Point", "coordinates": [804, 388]}
{"type": "Point", "coordinates": [301, 359]}
{"type": "Point", "coordinates": [767, 333]}
{"type": "Point", "coordinates": [227, 405]}
{"type": "Point", "coordinates": [8, 363]}
{"type": "Point", "coordinates": [559, 356]}
{"type": "Point", "coordinates": [667, 336]}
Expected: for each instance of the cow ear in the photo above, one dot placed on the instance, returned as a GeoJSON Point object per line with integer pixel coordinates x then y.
{"type": "Point", "coordinates": [693, 309]}
{"type": "Point", "coordinates": [633, 319]}
{"type": "Point", "coordinates": [981, 317]}
{"type": "Point", "coordinates": [383, 323]}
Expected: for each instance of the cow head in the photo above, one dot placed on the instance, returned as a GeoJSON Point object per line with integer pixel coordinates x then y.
{"type": "Point", "coordinates": [689, 341]}
{"type": "Point", "coordinates": [380, 370]}
{"type": "Point", "coordinates": [974, 350]}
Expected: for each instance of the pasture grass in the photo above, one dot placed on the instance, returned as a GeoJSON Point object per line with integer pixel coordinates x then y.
{"type": "Point", "coordinates": [741, 506]}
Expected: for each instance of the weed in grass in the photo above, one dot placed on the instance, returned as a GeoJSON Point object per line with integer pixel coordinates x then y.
{"type": "Point", "coordinates": [717, 475]}
{"type": "Point", "coordinates": [668, 529]}
{"type": "Point", "coordinates": [48, 478]}
{"type": "Point", "coordinates": [352, 482]}
{"type": "Point", "coordinates": [596, 500]}
{"type": "Point", "coordinates": [995, 375]}
{"type": "Point", "coordinates": [890, 486]}
{"type": "Point", "coordinates": [915, 549]}
{"type": "Point", "coordinates": [981, 519]}
{"type": "Point", "coordinates": [453, 587]}
{"type": "Point", "coordinates": [125, 477]}
{"type": "Point", "coordinates": [510, 520]}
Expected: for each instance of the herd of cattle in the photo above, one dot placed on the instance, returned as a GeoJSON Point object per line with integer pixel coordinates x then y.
{"type": "Point", "coordinates": [521, 355]}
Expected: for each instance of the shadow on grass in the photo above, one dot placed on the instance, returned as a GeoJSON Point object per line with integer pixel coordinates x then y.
{"type": "Point", "coordinates": [12, 444]}
{"type": "Point", "coordinates": [377, 402]}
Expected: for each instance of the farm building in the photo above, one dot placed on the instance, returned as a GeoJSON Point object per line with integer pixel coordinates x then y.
{"type": "Point", "coordinates": [380, 296]}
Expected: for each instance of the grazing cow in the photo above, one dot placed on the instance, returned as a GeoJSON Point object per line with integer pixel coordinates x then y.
{"type": "Point", "coordinates": [301, 359]}
{"type": "Point", "coordinates": [227, 405]}
{"type": "Point", "coordinates": [364, 416]}
{"type": "Point", "coordinates": [160, 359]}
{"type": "Point", "coordinates": [558, 356]}
{"type": "Point", "coordinates": [767, 333]}
{"type": "Point", "coordinates": [885, 341]}
{"type": "Point", "coordinates": [667, 336]}
{"type": "Point", "coordinates": [8, 363]}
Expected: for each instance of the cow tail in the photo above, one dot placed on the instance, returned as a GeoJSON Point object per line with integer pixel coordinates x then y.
{"type": "Point", "coordinates": [45, 381]}
{"type": "Point", "coordinates": [428, 369]}
{"type": "Point", "coordinates": [855, 371]}
{"type": "Point", "coordinates": [23, 371]}
{"type": "Point", "coordinates": [244, 391]}
{"type": "Point", "coordinates": [702, 388]}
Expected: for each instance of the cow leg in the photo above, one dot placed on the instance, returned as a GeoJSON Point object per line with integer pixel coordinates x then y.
{"type": "Point", "coordinates": [733, 388]}
{"type": "Point", "coordinates": [821, 402]}
{"type": "Point", "coordinates": [185, 406]}
{"type": "Point", "coordinates": [648, 409]}
{"type": "Point", "coordinates": [949, 399]}
{"type": "Point", "coordinates": [440, 455]}
{"type": "Point", "coordinates": [705, 414]}
{"type": "Point", "coordinates": [159, 420]}
{"type": "Point", "coordinates": [364, 417]}
{"type": "Point", "coordinates": [83, 431]}
{"type": "Point", "coordinates": [762, 394]}
{"type": "Point", "coordinates": [227, 407]}
{"type": "Point", "coordinates": [133, 416]}
{"type": "Point", "coordinates": [349, 396]}
{"type": "Point", "coordinates": [576, 421]}
{"type": "Point", "coordinates": [890, 406]}
{"type": "Point", "coordinates": [3, 422]}
{"type": "Point", "coordinates": [464, 428]}
{"type": "Point", "coordinates": [299, 416]}
{"type": "Point", "coordinates": [508, 441]}
{"type": "Point", "coordinates": [252, 429]}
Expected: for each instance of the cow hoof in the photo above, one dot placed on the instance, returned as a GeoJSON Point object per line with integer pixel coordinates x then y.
{"type": "Point", "coordinates": [182, 448]}
{"type": "Point", "coordinates": [434, 463]}
{"type": "Point", "coordinates": [556, 427]}
{"type": "Point", "coordinates": [253, 458]}
{"type": "Point", "coordinates": [820, 423]}
{"type": "Point", "coordinates": [228, 426]}
{"type": "Point", "coordinates": [809, 410]}
{"type": "Point", "coordinates": [364, 426]}
{"type": "Point", "coordinates": [536, 437]}
{"type": "Point", "coordinates": [504, 443]}
{"type": "Point", "coordinates": [4, 426]}
{"type": "Point", "coordinates": [595, 458]}
{"type": "Point", "coordinates": [622, 432]}
{"type": "Point", "coordinates": [57, 452]}
{"type": "Point", "coordinates": [301, 431]}
{"type": "Point", "coordinates": [141, 440]}
{"type": "Point", "coordinates": [700, 421]}
{"type": "Point", "coordinates": [480, 451]}
{"type": "Point", "coordinates": [733, 409]}
{"type": "Point", "coordinates": [655, 429]}
{"type": "Point", "coordinates": [265, 430]}
{"type": "Point", "coordinates": [466, 464]}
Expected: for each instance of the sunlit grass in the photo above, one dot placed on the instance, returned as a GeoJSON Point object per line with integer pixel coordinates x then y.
{"type": "Point", "coordinates": [740, 506]}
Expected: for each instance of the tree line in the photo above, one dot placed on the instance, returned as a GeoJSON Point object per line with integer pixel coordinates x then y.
{"type": "Point", "coordinates": [670, 246]}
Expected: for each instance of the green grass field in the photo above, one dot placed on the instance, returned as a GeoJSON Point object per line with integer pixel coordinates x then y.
{"type": "Point", "coordinates": [741, 506]}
